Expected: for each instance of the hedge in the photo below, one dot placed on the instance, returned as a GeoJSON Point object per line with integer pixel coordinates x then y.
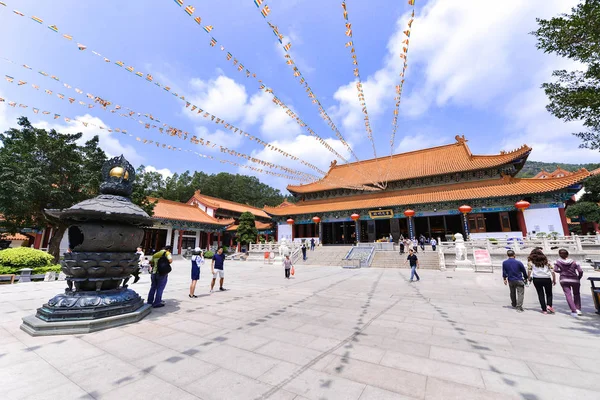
{"type": "Point", "coordinates": [208, 254]}
{"type": "Point", "coordinates": [14, 259]}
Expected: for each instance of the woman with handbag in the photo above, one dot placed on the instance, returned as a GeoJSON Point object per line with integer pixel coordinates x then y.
{"type": "Point", "coordinates": [287, 265]}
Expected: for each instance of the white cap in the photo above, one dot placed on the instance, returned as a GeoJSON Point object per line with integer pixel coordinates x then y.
{"type": "Point", "coordinates": [197, 250]}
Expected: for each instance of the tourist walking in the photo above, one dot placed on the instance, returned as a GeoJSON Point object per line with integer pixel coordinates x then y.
{"type": "Point", "coordinates": [415, 245]}
{"type": "Point", "coordinates": [312, 244]}
{"type": "Point", "coordinates": [542, 274]}
{"type": "Point", "coordinates": [570, 276]}
{"type": "Point", "coordinates": [433, 244]}
{"type": "Point", "coordinates": [391, 238]}
{"type": "Point", "coordinates": [161, 266]}
{"type": "Point", "coordinates": [515, 275]}
{"type": "Point", "coordinates": [216, 266]}
{"type": "Point", "coordinates": [422, 242]}
{"type": "Point", "coordinates": [401, 244]}
{"type": "Point", "coordinates": [197, 262]}
{"type": "Point", "coordinates": [287, 266]}
{"type": "Point", "coordinates": [303, 248]}
{"type": "Point", "coordinates": [414, 264]}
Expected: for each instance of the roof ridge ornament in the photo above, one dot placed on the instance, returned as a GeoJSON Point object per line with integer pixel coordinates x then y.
{"type": "Point", "coordinates": [460, 139]}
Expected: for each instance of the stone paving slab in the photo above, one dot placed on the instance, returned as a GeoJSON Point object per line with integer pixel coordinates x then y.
{"type": "Point", "coordinates": [328, 333]}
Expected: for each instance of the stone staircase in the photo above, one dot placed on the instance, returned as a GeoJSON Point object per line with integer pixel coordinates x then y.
{"type": "Point", "coordinates": [393, 259]}
{"type": "Point", "coordinates": [325, 255]}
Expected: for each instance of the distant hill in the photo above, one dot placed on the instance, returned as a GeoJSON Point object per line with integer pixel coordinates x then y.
{"type": "Point", "coordinates": [531, 168]}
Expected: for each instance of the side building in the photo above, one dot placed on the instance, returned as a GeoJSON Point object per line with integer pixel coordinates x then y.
{"type": "Point", "coordinates": [420, 192]}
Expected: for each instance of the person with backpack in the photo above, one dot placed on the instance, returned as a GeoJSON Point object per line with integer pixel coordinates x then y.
{"type": "Point", "coordinates": [197, 262]}
{"type": "Point", "coordinates": [570, 276]}
{"type": "Point", "coordinates": [161, 266]}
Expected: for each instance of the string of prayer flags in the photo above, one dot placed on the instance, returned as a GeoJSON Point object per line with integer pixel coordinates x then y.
{"type": "Point", "coordinates": [359, 85]}
{"type": "Point", "coordinates": [229, 56]}
{"type": "Point", "coordinates": [298, 74]}
{"type": "Point", "coordinates": [399, 87]}
{"type": "Point", "coordinates": [212, 117]}
{"type": "Point", "coordinates": [403, 55]}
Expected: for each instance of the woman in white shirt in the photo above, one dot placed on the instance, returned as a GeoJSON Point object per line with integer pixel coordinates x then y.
{"type": "Point", "coordinates": [542, 274]}
{"type": "Point", "coordinates": [197, 261]}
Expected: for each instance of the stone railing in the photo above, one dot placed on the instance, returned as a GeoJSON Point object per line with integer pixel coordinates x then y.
{"type": "Point", "coordinates": [359, 256]}
{"type": "Point", "coordinates": [273, 247]}
{"type": "Point", "coordinates": [380, 246]}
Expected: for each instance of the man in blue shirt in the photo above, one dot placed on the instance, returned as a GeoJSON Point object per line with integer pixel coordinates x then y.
{"type": "Point", "coordinates": [515, 275]}
{"type": "Point", "coordinates": [217, 269]}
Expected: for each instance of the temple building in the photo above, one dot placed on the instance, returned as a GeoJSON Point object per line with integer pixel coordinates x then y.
{"type": "Point", "coordinates": [420, 193]}
{"type": "Point", "coordinates": [203, 221]}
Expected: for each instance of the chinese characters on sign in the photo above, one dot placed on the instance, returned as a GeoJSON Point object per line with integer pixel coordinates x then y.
{"type": "Point", "coordinates": [379, 214]}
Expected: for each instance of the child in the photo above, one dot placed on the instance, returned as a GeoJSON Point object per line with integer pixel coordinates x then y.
{"type": "Point", "coordinates": [287, 264]}
{"type": "Point", "coordinates": [146, 265]}
{"type": "Point", "coordinates": [197, 261]}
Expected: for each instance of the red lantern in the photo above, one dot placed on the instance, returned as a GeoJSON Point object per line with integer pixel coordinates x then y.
{"type": "Point", "coordinates": [355, 217]}
{"type": "Point", "coordinates": [465, 209]}
{"type": "Point", "coordinates": [316, 220]}
{"type": "Point", "coordinates": [290, 221]}
{"type": "Point", "coordinates": [409, 213]}
{"type": "Point", "coordinates": [522, 205]}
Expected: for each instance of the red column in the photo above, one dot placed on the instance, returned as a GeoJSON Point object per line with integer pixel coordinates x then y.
{"type": "Point", "coordinates": [231, 241]}
{"type": "Point", "coordinates": [563, 219]}
{"type": "Point", "coordinates": [521, 222]}
{"type": "Point", "coordinates": [219, 239]}
{"type": "Point", "coordinates": [38, 240]}
{"type": "Point", "coordinates": [179, 242]}
{"type": "Point", "coordinates": [209, 240]}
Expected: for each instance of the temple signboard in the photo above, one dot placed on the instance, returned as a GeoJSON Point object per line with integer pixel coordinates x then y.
{"type": "Point", "coordinates": [381, 214]}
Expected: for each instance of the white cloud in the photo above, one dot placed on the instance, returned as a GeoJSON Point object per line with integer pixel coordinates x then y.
{"type": "Point", "coordinates": [468, 53]}
{"type": "Point", "coordinates": [419, 141]}
{"type": "Point", "coordinates": [303, 146]}
{"type": "Point", "coordinates": [229, 100]}
{"type": "Point", "coordinates": [108, 141]}
{"type": "Point", "coordinates": [165, 172]}
{"type": "Point", "coordinates": [227, 139]}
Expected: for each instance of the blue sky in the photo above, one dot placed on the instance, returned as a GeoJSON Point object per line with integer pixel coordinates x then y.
{"type": "Point", "coordinates": [473, 70]}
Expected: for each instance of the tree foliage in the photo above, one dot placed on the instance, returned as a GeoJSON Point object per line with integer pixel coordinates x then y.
{"type": "Point", "coordinates": [42, 169]}
{"type": "Point", "coordinates": [246, 231]}
{"type": "Point", "coordinates": [181, 187]}
{"type": "Point", "coordinates": [592, 189]}
{"type": "Point", "coordinates": [588, 210]}
{"type": "Point", "coordinates": [575, 95]}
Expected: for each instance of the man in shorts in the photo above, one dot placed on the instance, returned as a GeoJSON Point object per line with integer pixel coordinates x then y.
{"type": "Point", "coordinates": [217, 269]}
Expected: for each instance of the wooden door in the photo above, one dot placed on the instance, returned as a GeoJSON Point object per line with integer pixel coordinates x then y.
{"type": "Point", "coordinates": [476, 223]}
{"type": "Point", "coordinates": [505, 222]}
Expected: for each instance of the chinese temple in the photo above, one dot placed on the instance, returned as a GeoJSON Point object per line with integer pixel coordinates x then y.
{"type": "Point", "coordinates": [433, 192]}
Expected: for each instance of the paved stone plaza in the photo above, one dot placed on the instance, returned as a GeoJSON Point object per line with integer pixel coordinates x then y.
{"type": "Point", "coordinates": [328, 333]}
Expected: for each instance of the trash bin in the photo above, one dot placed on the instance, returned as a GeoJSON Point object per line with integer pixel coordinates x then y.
{"type": "Point", "coordinates": [595, 293]}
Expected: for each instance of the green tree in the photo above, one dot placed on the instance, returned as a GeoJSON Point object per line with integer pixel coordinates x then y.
{"type": "Point", "coordinates": [42, 169]}
{"type": "Point", "coordinates": [592, 189]}
{"type": "Point", "coordinates": [146, 185]}
{"type": "Point", "coordinates": [246, 231]}
{"type": "Point", "coordinates": [576, 94]}
{"type": "Point", "coordinates": [586, 209]}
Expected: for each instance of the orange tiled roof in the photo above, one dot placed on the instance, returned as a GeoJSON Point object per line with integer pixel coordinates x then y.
{"type": "Point", "coordinates": [506, 186]}
{"type": "Point", "coordinates": [558, 172]}
{"type": "Point", "coordinates": [261, 226]}
{"type": "Point", "coordinates": [216, 203]}
{"type": "Point", "coordinates": [16, 236]}
{"type": "Point", "coordinates": [455, 157]}
{"type": "Point", "coordinates": [175, 210]}
{"type": "Point", "coordinates": [595, 172]}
